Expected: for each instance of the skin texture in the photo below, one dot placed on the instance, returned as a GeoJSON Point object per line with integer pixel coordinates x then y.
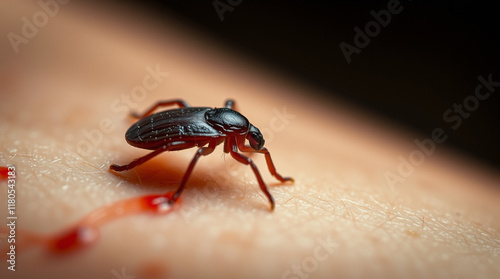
{"type": "Point", "coordinates": [63, 116]}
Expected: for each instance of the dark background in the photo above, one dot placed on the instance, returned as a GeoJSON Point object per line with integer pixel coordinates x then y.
{"type": "Point", "coordinates": [426, 59]}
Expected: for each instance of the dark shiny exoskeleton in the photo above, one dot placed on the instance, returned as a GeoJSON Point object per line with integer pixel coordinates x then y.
{"type": "Point", "coordinates": [204, 127]}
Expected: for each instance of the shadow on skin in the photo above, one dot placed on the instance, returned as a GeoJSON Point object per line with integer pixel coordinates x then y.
{"type": "Point", "coordinates": [166, 172]}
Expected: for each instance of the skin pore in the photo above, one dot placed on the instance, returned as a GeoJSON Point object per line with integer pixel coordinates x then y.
{"type": "Point", "coordinates": [63, 116]}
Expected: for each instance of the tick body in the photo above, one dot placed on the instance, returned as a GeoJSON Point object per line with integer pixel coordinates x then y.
{"type": "Point", "coordinates": [201, 127]}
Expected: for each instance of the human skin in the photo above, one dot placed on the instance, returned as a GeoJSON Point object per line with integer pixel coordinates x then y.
{"type": "Point", "coordinates": [63, 115]}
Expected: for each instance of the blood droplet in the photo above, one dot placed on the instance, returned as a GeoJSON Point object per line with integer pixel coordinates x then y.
{"type": "Point", "coordinates": [4, 172]}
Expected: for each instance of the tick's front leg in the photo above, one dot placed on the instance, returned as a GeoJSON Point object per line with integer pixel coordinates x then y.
{"type": "Point", "coordinates": [230, 104]}
{"type": "Point", "coordinates": [247, 161]}
{"type": "Point", "coordinates": [269, 161]}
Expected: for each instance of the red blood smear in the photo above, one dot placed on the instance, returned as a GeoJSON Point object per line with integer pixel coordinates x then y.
{"type": "Point", "coordinates": [153, 270]}
{"type": "Point", "coordinates": [86, 232]}
{"type": "Point", "coordinates": [4, 172]}
{"type": "Point", "coordinates": [74, 239]}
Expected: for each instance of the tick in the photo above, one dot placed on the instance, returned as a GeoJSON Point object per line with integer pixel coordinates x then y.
{"type": "Point", "coordinates": [202, 127]}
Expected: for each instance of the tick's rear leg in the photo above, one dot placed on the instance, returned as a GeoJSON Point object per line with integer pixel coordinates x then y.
{"type": "Point", "coordinates": [200, 152]}
{"type": "Point", "coordinates": [269, 161]}
{"type": "Point", "coordinates": [179, 102]}
{"type": "Point", "coordinates": [141, 160]}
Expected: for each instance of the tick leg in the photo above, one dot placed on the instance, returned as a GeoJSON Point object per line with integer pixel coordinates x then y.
{"type": "Point", "coordinates": [229, 104]}
{"type": "Point", "coordinates": [141, 160]}
{"type": "Point", "coordinates": [269, 161]}
{"type": "Point", "coordinates": [179, 102]}
{"type": "Point", "coordinates": [247, 161]}
{"type": "Point", "coordinates": [200, 152]}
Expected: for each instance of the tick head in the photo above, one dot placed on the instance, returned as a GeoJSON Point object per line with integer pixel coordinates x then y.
{"type": "Point", "coordinates": [255, 138]}
{"type": "Point", "coordinates": [227, 121]}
